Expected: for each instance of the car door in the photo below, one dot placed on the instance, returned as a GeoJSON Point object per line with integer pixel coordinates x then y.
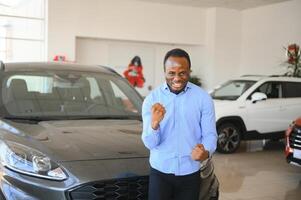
{"type": "Point", "coordinates": [265, 116]}
{"type": "Point", "coordinates": [291, 105]}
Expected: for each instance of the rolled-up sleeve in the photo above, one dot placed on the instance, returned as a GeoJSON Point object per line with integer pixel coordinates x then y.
{"type": "Point", "coordinates": [208, 124]}
{"type": "Point", "coordinates": [150, 137]}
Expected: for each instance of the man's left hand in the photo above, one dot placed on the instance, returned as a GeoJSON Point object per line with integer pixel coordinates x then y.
{"type": "Point", "coordinates": [199, 153]}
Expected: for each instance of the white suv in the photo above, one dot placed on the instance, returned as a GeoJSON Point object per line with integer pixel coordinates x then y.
{"type": "Point", "coordinates": [255, 107]}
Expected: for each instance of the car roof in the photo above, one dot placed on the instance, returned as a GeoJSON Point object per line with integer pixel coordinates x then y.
{"type": "Point", "coordinates": [41, 66]}
{"type": "Point", "coordinates": [250, 77]}
{"type": "Point", "coordinates": [268, 78]}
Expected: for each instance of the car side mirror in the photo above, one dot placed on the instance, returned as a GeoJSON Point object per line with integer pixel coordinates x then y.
{"type": "Point", "coordinates": [258, 96]}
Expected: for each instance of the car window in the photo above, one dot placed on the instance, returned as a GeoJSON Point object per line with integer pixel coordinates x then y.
{"type": "Point", "coordinates": [95, 91]}
{"type": "Point", "coordinates": [68, 94]}
{"type": "Point", "coordinates": [121, 99]}
{"type": "Point", "coordinates": [231, 90]}
{"type": "Point", "coordinates": [34, 83]}
{"type": "Point", "coordinates": [271, 89]}
{"type": "Point", "coordinates": [292, 89]}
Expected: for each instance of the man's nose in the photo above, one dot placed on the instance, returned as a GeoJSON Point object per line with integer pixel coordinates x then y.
{"type": "Point", "coordinates": [177, 77]}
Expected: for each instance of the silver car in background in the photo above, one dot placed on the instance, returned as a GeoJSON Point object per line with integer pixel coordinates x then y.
{"type": "Point", "coordinates": [72, 132]}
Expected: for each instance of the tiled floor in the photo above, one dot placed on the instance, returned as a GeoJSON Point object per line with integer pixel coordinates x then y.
{"type": "Point", "coordinates": [258, 171]}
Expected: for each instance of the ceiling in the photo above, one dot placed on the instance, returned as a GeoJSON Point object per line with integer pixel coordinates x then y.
{"type": "Point", "coordinates": [232, 4]}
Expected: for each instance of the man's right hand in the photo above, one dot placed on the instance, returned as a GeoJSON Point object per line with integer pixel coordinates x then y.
{"type": "Point", "coordinates": [158, 112]}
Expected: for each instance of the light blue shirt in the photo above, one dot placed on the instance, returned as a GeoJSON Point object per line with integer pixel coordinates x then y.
{"type": "Point", "coordinates": [189, 120]}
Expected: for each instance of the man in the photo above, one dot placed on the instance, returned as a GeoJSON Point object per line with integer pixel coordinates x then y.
{"type": "Point", "coordinates": [179, 129]}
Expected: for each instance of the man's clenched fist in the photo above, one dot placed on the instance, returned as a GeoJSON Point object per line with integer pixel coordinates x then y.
{"type": "Point", "coordinates": [158, 112]}
{"type": "Point", "coordinates": [199, 153]}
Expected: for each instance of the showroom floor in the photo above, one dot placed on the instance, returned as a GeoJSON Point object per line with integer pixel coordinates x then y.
{"type": "Point", "coordinates": [258, 171]}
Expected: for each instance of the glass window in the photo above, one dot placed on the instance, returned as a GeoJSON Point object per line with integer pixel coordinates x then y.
{"type": "Point", "coordinates": [95, 91]}
{"type": "Point", "coordinates": [231, 90]}
{"type": "Point", "coordinates": [271, 89]}
{"type": "Point", "coordinates": [292, 89]}
{"type": "Point", "coordinates": [23, 8]}
{"type": "Point", "coordinates": [68, 94]}
{"type": "Point", "coordinates": [22, 50]}
{"type": "Point", "coordinates": [33, 83]}
{"type": "Point", "coordinates": [22, 30]}
{"type": "Point", "coordinates": [121, 99]}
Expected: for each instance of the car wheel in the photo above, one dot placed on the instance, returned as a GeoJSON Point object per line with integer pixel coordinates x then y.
{"type": "Point", "coordinates": [229, 137]}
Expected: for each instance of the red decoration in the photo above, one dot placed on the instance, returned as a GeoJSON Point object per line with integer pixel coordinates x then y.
{"type": "Point", "coordinates": [293, 54]}
{"type": "Point", "coordinates": [294, 60]}
{"type": "Point", "coordinates": [134, 73]}
{"type": "Point", "coordinates": [59, 58]}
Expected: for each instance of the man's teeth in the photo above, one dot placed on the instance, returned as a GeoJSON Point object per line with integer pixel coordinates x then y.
{"type": "Point", "coordinates": [177, 84]}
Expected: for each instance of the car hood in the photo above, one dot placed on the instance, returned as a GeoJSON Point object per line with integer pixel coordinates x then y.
{"type": "Point", "coordinates": [78, 140]}
{"type": "Point", "coordinates": [222, 103]}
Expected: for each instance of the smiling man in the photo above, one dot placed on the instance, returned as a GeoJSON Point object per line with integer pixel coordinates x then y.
{"type": "Point", "coordinates": [179, 130]}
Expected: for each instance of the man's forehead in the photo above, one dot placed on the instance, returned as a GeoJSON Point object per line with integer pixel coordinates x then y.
{"type": "Point", "coordinates": [176, 62]}
{"type": "Point", "coordinates": [172, 63]}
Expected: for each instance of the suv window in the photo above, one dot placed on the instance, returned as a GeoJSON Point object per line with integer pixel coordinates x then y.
{"type": "Point", "coordinates": [231, 90]}
{"type": "Point", "coordinates": [292, 89]}
{"type": "Point", "coordinates": [271, 89]}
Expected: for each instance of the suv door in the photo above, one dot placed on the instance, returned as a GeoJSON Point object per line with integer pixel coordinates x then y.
{"type": "Point", "coordinates": [264, 116]}
{"type": "Point", "coordinates": [291, 106]}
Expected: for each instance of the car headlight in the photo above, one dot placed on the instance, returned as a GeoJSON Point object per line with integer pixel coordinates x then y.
{"type": "Point", "coordinates": [29, 161]}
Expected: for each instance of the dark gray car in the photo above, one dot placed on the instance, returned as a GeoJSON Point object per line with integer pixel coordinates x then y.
{"type": "Point", "coordinates": [72, 132]}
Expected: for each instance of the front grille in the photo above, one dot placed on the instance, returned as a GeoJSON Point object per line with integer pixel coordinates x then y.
{"type": "Point", "coordinates": [134, 188]}
{"type": "Point", "coordinates": [291, 158]}
{"type": "Point", "coordinates": [295, 138]}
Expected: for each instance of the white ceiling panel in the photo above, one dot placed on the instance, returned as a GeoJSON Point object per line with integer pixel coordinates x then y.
{"type": "Point", "coordinates": [232, 4]}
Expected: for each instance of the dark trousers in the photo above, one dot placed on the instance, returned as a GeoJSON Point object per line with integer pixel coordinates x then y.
{"type": "Point", "coordinates": [170, 187]}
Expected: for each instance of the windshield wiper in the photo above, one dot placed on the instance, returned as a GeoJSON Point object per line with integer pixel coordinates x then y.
{"type": "Point", "coordinates": [30, 119]}
{"type": "Point", "coordinates": [39, 119]}
{"type": "Point", "coordinates": [121, 117]}
{"type": "Point", "coordinates": [22, 118]}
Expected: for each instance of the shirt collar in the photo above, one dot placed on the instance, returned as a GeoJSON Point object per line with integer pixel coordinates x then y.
{"type": "Point", "coordinates": [166, 88]}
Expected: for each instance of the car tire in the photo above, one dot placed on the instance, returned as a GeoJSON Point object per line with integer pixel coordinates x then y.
{"type": "Point", "coordinates": [229, 137]}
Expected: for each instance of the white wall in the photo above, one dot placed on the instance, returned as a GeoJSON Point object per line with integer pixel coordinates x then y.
{"type": "Point", "coordinates": [121, 19]}
{"type": "Point", "coordinates": [249, 41]}
{"type": "Point", "coordinates": [265, 31]}
{"type": "Point", "coordinates": [209, 58]}
{"type": "Point", "coordinates": [227, 42]}
{"type": "Point", "coordinates": [117, 54]}
{"type": "Point", "coordinates": [223, 42]}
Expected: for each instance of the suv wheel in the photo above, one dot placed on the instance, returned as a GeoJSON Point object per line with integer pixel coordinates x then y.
{"type": "Point", "coordinates": [229, 137]}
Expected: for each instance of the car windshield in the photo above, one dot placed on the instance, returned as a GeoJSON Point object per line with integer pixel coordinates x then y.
{"type": "Point", "coordinates": [231, 90]}
{"type": "Point", "coordinates": [49, 95]}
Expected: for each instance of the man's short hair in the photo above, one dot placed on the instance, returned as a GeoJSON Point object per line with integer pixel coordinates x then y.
{"type": "Point", "coordinates": [177, 53]}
